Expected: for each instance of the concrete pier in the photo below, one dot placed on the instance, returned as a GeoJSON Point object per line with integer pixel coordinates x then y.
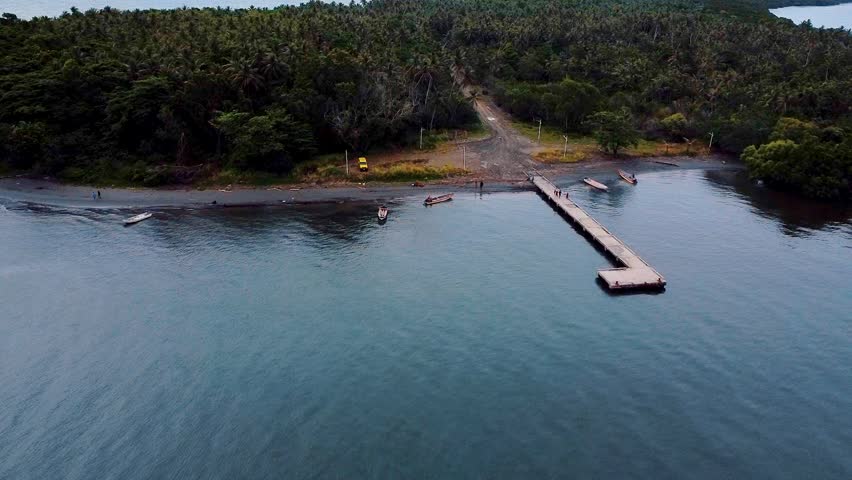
{"type": "Point", "coordinates": [635, 272]}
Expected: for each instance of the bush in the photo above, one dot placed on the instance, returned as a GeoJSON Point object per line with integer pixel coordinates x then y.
{"type": "Point", "coordinates": [674, 125]}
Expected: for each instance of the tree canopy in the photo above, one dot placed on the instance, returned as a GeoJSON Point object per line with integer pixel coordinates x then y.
{"type": "Point", "coordinates": [116, 88]}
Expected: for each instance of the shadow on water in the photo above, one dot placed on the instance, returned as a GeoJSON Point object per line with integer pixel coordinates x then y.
{"type": "Point", "coordinates": [796, 215]}
{"type": "Point", "coordinates": [329, 225]}
{"type": "Point", "coordinates": [626, 293]}
{"type": "Point", "coordinates": [653, 290]}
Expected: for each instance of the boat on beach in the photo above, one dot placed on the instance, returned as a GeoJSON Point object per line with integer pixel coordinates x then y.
{"type": "Point", "coordinates": [628, 177]}
{"type": "Point", "coordinates": [596, 184]}
{"type": "Point", "coordinates": [138, 218]}
{"type": "Point", "coordinates": [430, 200]}
{"type": "Point", "coordinates": [383, 213]}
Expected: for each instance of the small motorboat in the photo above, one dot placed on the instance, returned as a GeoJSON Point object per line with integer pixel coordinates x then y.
{"type": "Point", "coordinates": [628, 177]}
{"type": "Point", "coordinates": [138, 218]}
{"type": "Point", "coordinates": [383, 213]}
{"type": "Point", "coordinates": [595, 184]}
{"type": "Point", "coordinates": [430, 200]}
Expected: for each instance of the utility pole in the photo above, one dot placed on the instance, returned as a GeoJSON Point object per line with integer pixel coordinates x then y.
{"type": "Point", "coordinates": [347, 162]}
{"type": "Point", "coordinates": [421, 138]}
{"type": "Point", "coordinates": [464, 157]}
{"type": "Point", "coordinates": [539, 131]}
{"type": "Point", "coordinates": [565, 151]}
{"type": "Point", "coordinates": [711, 142]}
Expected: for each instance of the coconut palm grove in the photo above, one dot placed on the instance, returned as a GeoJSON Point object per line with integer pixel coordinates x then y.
{"type": "Point", "coordinates": [158, 97]}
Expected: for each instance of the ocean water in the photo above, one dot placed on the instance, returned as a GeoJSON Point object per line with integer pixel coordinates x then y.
{"type": "Point", "coordinates": [833, 16]}
{"type": "Point", "coordinates": [465, 340]}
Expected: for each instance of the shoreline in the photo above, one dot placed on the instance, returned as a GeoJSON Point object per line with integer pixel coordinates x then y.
{"type": "Point", "coordinates": [52, 193]}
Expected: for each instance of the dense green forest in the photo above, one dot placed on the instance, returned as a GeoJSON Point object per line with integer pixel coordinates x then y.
{"type": "Point", "coordinates": [152, 95]}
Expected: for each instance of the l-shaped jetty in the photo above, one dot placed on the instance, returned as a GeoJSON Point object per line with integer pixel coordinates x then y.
{"type": "Point", "coordinates": [635, 272]}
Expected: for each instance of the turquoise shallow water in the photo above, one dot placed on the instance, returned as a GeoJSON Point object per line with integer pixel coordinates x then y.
{"type": "Point", "coordinates": [467, 340]}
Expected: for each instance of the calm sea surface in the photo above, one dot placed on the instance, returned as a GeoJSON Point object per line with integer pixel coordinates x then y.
{"type": "Point", "coordinates": [465, 340]}
{"type": "Point", "coordinates": [834, 16]}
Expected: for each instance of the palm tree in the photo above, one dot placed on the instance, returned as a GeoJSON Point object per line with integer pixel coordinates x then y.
{"type": "Point", "coordinates": [244, 75]}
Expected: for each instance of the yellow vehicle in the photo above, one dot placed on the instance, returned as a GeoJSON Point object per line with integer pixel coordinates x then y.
{"type": "Point", "coordinates": [362, 164]}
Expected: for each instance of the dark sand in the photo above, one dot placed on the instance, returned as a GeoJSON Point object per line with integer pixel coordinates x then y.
{"type": "Point", "coordinates": [48, 192]}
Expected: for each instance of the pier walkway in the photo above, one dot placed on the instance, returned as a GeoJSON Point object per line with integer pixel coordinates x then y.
{"type": "Point", "coordinates": [635, 273]}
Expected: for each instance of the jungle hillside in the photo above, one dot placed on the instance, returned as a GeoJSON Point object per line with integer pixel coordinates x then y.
{"type": "Point", "coordinates": [160, 97]}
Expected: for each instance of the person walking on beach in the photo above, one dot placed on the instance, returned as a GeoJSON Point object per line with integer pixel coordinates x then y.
{"type": "Point", "coordinates": [481, 184]}
{"type": "Point", "coordinates": [94, 196]}
{"type": "Point", "coordinates": [99, 194]}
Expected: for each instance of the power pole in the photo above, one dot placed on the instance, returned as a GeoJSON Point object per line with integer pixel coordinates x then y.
{"type": "Point", "coordinates": [539, 131]}
{"type": "Point", "coordinates": [421, 138]}
{"type": "Point", "coordinates": [347, 162]}
{"type": "Point", "coordinates": [565, 151]}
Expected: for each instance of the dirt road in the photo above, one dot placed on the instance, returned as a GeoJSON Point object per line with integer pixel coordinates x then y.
{"type": "Point", "coordinates": [503, 156]}
{"type": "Point", "coordinates": [506, 154]}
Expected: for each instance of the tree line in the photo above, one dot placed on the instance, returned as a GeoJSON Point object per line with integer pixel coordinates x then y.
{"type": "Point", "coordinates": [125, 93]}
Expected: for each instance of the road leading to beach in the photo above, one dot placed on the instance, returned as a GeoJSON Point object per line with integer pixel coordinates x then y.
{"type": "Point", "coordinates": [506, 154]}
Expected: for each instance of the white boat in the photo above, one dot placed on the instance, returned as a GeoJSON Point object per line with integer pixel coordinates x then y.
{"type": "Point", "coordinates": [595, 184]}
{"type": "Point", "coordinates": [138, 218]}
{"type": "Point", "coordinates": [383, 213]}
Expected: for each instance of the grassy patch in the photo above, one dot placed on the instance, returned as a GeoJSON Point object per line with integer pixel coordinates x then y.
{"type": "Point", "coordinates": [412, 171]}
{"type": "Point", "coordinates": [549, 134]}
{"type": "Point", "coordinates": [581, 147]}
{"type": "Point", "coordinates": [658, 148]}
{"type": "Point", "coordinates": [555, 155]}
{"type": "Point", "coordinates": [438, 139]}
{"type": "Point", "coordinates": [331, 168]}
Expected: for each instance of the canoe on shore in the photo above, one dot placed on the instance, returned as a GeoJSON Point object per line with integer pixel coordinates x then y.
{"type": "Point", "coordinates": [430, 200]}
{"type": "Point", "coordinates": [383, 213]}
{"type": "Point", "coordinates": [596, 184]}
{"type": "Point", "coordinates": [138, 218]}
{"type": "Point", "coordinates": [628, 177]}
